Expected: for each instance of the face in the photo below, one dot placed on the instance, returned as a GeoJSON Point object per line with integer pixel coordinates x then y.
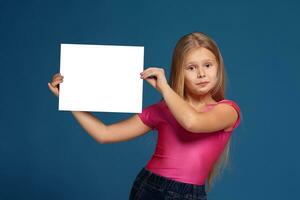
{"type": "Point", "coordinates": [200, 65]}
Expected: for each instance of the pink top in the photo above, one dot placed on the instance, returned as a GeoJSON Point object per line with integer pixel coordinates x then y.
{"type": "Point", "coordinates": [179, 154]}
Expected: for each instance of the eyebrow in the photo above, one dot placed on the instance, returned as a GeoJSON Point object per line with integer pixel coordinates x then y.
{"type": "Point", "coordinates": [202, 60]}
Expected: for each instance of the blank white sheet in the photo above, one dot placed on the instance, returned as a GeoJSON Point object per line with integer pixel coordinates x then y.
{"type": "Point", "coordinates": [101, 78]}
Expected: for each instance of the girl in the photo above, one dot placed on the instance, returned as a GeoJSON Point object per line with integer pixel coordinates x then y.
{"type": "Point", "coordinates": [193, 119]}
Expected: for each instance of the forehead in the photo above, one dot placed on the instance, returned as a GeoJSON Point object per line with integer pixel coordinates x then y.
{"type": "Point", "coordinates": [200, 54]}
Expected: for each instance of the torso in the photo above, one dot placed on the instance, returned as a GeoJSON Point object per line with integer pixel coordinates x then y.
{"type": "Point", "coordinates": [181, 155]}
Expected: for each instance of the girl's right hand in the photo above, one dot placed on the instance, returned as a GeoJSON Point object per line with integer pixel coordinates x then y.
{"type": "Point", "coordinates": [54, 84]}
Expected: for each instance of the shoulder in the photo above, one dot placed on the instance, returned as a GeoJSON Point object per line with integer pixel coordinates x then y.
{"type": "Point", "coordinates": [150, 115]}
{"type": "Point", "coordinates": [231, 108]}
{"type": "Point", "coordinates": [224, 115]}
{"type": "Point", "coordinates": [229, 103]}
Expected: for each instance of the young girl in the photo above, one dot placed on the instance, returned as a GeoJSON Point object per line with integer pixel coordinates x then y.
{"type": "Point", "coordinates": [193, 119]}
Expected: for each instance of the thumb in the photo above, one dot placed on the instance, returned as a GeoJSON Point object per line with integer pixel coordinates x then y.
{"type": "Point", "coordinates": [152, 82]}
{"type": "Point", "coordinates": [50, 86]}
{"type": "Point", "coordinates": [53, 90]}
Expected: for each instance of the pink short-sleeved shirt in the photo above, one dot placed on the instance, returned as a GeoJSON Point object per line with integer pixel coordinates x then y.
{"type": "Point", "coordinates": [179, 154]}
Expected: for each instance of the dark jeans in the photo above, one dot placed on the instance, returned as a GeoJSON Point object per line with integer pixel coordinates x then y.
{"type": "Point", "coordinates": [148, 185]}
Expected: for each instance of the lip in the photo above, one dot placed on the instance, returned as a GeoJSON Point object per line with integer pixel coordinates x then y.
{"type": "Point", "coordinates": [202, 83]}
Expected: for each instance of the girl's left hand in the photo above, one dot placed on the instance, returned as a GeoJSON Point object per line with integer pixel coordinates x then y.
{"type": "Point", "coordinates": [155, 76]}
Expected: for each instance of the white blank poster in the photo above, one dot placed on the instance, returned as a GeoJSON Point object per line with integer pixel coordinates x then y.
{"type": "Point", "coordinates": [101, 78]}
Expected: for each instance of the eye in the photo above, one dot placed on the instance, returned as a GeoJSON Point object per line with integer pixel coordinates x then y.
{"type": "Point", "coordinates": [191, 66]}
{"type": "Point", "coordinates": [207, 64]}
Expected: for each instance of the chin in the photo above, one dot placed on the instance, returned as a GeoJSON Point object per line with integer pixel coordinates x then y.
{"type": "Point", "coordinates": [202, 92]}
{"type": "Point", "coordinates": [204, 89]}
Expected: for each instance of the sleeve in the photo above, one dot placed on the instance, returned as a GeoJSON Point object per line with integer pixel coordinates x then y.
{"type": "Point", "coordinates": [237, 108]}
{"type": "Point", "coordinates": [148, 116]}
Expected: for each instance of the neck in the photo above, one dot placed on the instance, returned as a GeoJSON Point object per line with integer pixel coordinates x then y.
{"type": "Point", "coordinates": [199, 101]}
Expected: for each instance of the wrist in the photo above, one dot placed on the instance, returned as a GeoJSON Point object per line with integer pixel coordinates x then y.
{"type": "Point", "coordinates": [165, 88]}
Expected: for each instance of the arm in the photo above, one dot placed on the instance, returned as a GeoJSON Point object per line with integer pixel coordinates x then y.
{"type": "Point", "coordinates": [220, 117]}
{"type": "Point", "coordinates": [117, 132]}
{"type": "Point", "coordinates": [122, 131]}
{"type": "Point", "coordinates": [181, 110]}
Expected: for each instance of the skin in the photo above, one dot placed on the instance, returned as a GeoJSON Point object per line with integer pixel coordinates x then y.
{"type": "Point", "coordinates": [220, 117]}
{"type": "Point", "coordinates": [184, 110]}
{"type": "Point", "coordinates": [188, 111]}
{"type": "Point", "coordinates": [54, 84]}
{"type": "Point", "coordinates": [199, 65]}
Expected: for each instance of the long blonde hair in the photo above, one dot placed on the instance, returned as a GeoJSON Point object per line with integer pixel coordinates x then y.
{"type": "Point", "coordinates": [176, 82]}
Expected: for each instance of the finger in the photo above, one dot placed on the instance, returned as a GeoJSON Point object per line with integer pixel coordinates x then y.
{"type": "Point", "coordinates": [57, 75]}
{"type": "Point", "coordinates": [149, 74]}
{"type": "Point", "coordinates": [56, 82]}
{"type": "Point", "coordinates": [151, 68]}
{"type": "Point", "coordinates": [151, 82]}
{"type": "Point", "coordinates": [59, 81]}
{"type": "Point", "coordinates": [50, 87]}
{"type": "Point", "coordinates": [146, 70]}
{"type": "Point", "coordinates": [57, 78]}
{"type": "Point", "coordinates": [53, 90]}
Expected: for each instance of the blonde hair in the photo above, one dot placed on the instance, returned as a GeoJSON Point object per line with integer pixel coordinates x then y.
{"type": "Point", "coordinates": [176, 82]}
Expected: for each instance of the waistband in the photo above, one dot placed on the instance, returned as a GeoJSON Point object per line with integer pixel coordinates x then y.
{"type": "Point", "coordinates": [169, 184]}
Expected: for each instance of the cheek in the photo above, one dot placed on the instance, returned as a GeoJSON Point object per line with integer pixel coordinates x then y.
{"type": "Point", "coordinates": [188, 83]}
{"type": "Point", "coordinates": [187, 78]}
{"type": "Point", "coordinates": [212, 75]}
{"type": "Point", "coordinates": [214, 81]}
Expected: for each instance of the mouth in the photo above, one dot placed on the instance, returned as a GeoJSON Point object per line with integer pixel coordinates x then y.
{"type": "Point", "coordinates": [202, 83]}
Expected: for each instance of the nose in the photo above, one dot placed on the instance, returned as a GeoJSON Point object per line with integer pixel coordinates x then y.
{"type": "Point", "coordinates": [200, 73]}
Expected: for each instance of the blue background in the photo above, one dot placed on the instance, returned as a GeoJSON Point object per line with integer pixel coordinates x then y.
{"type": "Point", "coordinates": [45, 154]}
